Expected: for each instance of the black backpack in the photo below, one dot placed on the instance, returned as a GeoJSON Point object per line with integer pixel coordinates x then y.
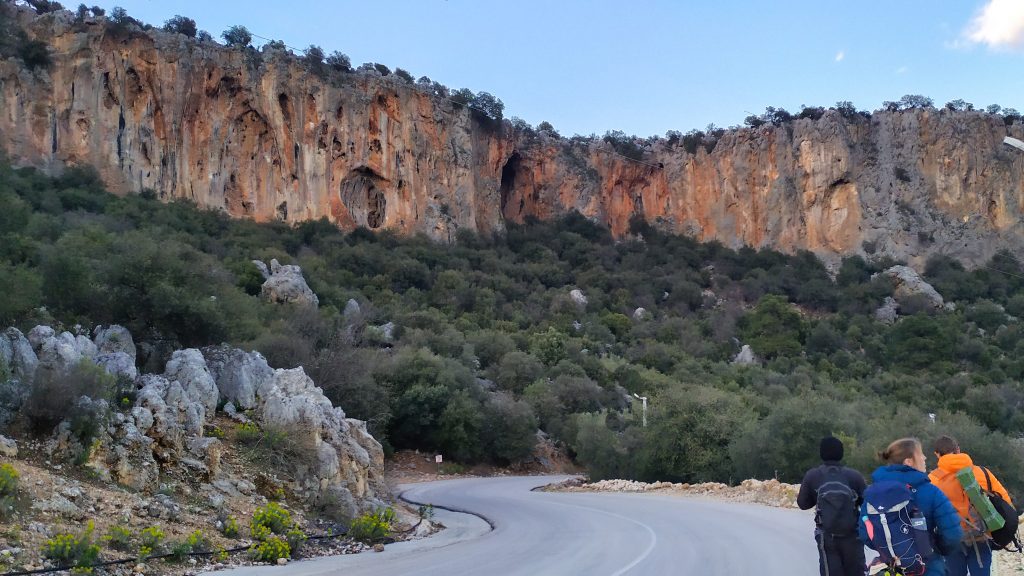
{"type": "Point", "coordinates": [1007, 535]}
{"type": "Point", "coordinates": [837, 504]}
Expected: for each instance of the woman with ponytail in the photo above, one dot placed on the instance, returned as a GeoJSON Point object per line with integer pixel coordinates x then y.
{"type": "Point", "coordinates": [904, 468]}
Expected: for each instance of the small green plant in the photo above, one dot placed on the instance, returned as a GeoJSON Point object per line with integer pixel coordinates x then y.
{"type": "Point", "coordinates": [248, 433]}
{"type": "Point", "coordinates": [296, 538]}
{"type": "Point", "coordinates": [259, 532]}
{"type": "Point", "coordinates": [179, 552]}
{"type": "Point", "coordinates": [8, 480]}
{"type": "Point", "coordinates": [214, 432]}
{"type": "Point", "coordinates": [270, 549]}
{"type": "Point", "coordinates": [220, 555]}
{"type": "Point", "coordinates": [198, 541]}
{"type": "Point", "coordinates": [229, 527]}
{"type": "Point", "coordinates": [152, 539]}
{"type": "Point", "coordinates": [8, 490]}
{"type": "Point", "coordinates": [119, 538]}
{"type": "Point", "coordinates": [274, 518]}
{"type": "Point", "coordinates": [426, 511]}
{"type": "Point", "coordinates": [372, 525]}
{"type": "Point", "coordinates": [278, 494]}
{"type": "Point", "coordinates": [78, 552]}
{"type": "Point", "coordinates": [451, 468]}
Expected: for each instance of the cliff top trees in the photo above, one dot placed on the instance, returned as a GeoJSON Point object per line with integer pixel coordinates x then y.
{"type": "Point", "coordinates": [237, 37]}
{"type": "Point", "coordinates": [182, 25]}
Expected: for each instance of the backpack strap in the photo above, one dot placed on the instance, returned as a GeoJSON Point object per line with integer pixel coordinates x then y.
{"type": "Point", "coordinates": [988, 479]}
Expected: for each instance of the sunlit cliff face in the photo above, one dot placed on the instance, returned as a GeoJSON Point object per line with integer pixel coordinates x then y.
{"type": "Point", "coordinates": [260, 136]}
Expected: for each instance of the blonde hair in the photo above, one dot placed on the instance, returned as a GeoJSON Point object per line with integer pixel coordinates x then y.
{"type": "Point", "coordinates": [900, 450]}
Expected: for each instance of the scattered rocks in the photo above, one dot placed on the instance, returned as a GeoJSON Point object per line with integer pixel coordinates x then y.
{"type": "Point", "coordinates": [767, 492]}
{"type": "Point", "coordinates": [641, 314]}
{"type": "Point", "coordinates": [60, 505]}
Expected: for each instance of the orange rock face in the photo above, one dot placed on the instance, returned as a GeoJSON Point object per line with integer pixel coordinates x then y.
{"type": "Point", "coordinates": [260, 136]}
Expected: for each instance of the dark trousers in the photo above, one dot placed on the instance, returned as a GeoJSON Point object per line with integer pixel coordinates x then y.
{"type": "Point", "coordinates": [840, 555]}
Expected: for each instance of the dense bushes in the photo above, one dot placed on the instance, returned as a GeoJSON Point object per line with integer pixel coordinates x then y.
{"type": "Point", "coordinates": [486, 343]}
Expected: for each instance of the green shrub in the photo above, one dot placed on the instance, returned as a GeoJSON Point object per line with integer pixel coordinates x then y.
{"type": "Point", "coordinates": [8, 480]}
{"type": "Point", "coordinates": [270, 549]}
{"type": "Point", "coordinates": [272, 517]}
{"type": "Point", "coordinates": [119, 538]}
{"type": "Point", "coordinates": [69, 550]}
{"type": "Point", "coordinates": [372, 526]}
{"type": "Point", "coordinates": [296, 539]}
{"type": "Point", "coordinates": [8, 490]}
{"type": "Point", "coordinates": [55, 397]}
{"type": "Point", "coordinates": [193, 543]}
{"type": "Point", "coordinates": [229, 527]}
{"type": "Point", "coordinates": [151, 541]}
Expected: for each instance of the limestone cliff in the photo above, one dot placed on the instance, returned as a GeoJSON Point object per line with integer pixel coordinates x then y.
{"type": "Point", "coordinates": [260, 136]}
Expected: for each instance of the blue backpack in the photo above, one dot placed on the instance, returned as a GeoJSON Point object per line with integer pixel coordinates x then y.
{"type": "Point", "coordinates": [897, 528]}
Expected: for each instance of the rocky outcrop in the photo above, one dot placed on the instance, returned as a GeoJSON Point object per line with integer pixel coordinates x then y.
{"type": "Point", "coordinates": [909, 283]}
{"type": "Point", "coordinates": [335, 457]}
{"type": "Point", "coordinates": [347, 457]}
{"type": "Point", "coordinates": [260, 135]}
{"type": "Point", "coordinates": [284, 284]}
{"type": "Point", "coordinates": [745, 357]}
{"type": "Point", "coordinates": [239, 375]}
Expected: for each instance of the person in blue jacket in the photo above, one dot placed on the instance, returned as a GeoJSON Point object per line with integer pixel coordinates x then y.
{"type": "Point", "coordinates": [905, 462]}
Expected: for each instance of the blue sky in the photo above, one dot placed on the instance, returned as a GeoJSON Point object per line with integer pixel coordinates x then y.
{"type": "Point", "coordinates": [646, 67]}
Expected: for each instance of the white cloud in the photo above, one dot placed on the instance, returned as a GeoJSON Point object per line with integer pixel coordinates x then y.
{"type": "Point", "coordinates": [840, 56]}
{"type": "Point", "coordinates": [901, 70]}
{"type": "Point", "coordinates": [1000, 24]}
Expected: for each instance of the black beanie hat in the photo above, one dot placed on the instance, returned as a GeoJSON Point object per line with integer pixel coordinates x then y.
{"type": "Point", "coordinates": [831, 449]}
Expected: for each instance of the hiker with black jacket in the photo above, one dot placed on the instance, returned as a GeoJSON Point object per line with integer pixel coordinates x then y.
{"type": "Point", "coordinates": [837, 492]}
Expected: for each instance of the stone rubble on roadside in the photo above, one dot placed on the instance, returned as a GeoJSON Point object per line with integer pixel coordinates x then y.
{"type": "Point", "coordinates": [768, 492]}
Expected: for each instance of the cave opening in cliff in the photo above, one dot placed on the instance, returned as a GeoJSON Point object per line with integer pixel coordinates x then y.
{"type": "Point", "coordinates": [508, 178]}
{"type": "Point", "coordinates": [375, 204]}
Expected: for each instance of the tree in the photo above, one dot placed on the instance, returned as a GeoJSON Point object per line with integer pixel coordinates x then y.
{"type": "Point", "coordinates": [546, 126]}
{"type": "Point", "coordinates": [237, 37]}
{"type": "Point", "coordinates": [181, 25]}
{"type": "Point", "coordinates": [404, 76]}
{"type": "Point", "coordinates": [45, 6]}
{"type": "Point", "coordinates": [384, 70]}
{"type": "Point", "coordinates": [959, 105]}
{"type": "Point", "coordinates": [993, 108]}
{"type": "Point", "coordinates": [314, 57]}
{"type": "Point", "coordinates": [689, 435]}
{"type": "Point", "coordinates": [847, 109]}
{"type": "Point", "coordinates": [489, 105]}
{"type": "Point", "coordinates": [339, 62]}
{"type": "Point", "coordinates": [516, 370]}
{"type": "Point", "coordinates": [509, 428]}
{"type": "Point", "coordinates": [462, 96]}
{"type": "Point", "coordinates": [773, 328]}
{"type": "Point", "coordinates": [910, 101]}
{"type": "Point", "coordinates": [120, 16]}
{"type": "Point", "coordinates": [811, 112]}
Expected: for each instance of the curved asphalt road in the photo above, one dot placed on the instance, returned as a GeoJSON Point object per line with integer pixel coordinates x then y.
{"type": "Point", "coordinates": [559, 534]}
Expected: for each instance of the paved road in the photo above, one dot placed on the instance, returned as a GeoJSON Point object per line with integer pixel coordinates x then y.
{"type": "Point", "coordinates": [561, 534]}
